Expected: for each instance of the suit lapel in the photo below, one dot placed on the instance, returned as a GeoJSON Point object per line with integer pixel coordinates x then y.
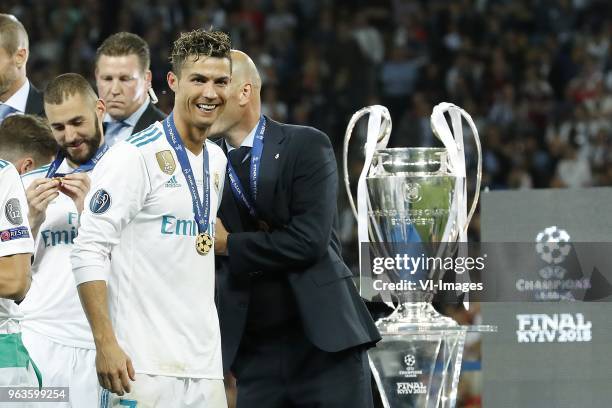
{"type": "Point", "coordinates": [34, 103]}
{"type": "Point", "coordinates": [149, 116]}
{"type": "Point", "coordinates": [269, 168]}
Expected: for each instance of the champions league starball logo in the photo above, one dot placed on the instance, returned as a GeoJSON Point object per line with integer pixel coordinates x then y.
{"type": "Point", "coordinates": [409, 360]}
{"type": "Point", "coordinates": [552, 244]}
{"type": "Point", "coordinates": [412, 192]}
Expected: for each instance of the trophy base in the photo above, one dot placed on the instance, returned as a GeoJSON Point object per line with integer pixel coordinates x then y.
{"type": "Point", "coordinates": [418, 361]}
{"type": "Point", "coordinates": [415, 316]}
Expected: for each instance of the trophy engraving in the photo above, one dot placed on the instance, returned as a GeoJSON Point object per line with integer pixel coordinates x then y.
{"type": "Point", "coordinates": [412, 192]}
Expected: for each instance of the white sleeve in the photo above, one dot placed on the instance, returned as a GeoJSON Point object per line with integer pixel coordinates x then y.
{"type": "Point", "coordinates": [120, 185]}
{"type": "Point", "coordinates": [15, 234]}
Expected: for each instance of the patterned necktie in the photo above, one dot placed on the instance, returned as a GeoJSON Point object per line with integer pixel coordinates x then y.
{"type": "Point", "coordinates": [111, 133]}
{"type": "Point", "coordinates": [6, 110]}
{"type": "Point", "coordinates": [237, 156]}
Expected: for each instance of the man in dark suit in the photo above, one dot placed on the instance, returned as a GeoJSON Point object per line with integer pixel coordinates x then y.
{"type": "Point", "coordinates": [123, 79]}
{"type": "Point", "coordinates": [294, 330]}
{"type": "Point", "coordinates": [17, 94]}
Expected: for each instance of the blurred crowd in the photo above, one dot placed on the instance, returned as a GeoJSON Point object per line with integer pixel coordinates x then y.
{"type": "Point", "coordinates": [535, 75]}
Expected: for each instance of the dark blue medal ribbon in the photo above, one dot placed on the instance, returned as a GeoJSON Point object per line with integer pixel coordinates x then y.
{"type": "Point", "coordinates": [234, 181]}
{"type": "Point", "coordinates": [85, 167]}
{"type": "Point", "coordinates": [201, 210]}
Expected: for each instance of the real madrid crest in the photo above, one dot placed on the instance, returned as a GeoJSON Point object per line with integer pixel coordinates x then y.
{"type": "Point", "coordinates": [166, 162]}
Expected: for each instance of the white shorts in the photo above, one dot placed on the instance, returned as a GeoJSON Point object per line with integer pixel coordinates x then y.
{"type": "Point", "coordinates": [64, 366]}
{"type": "Point", "coordinates": [156, 391]}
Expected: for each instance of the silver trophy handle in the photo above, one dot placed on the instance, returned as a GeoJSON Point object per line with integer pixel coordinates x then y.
{"type": "Point", "coordinates": [441, 126]}
{"type": "Point", "coordinates": [468, 118]}
{"type": "Point", "coordinates": [383, 137]}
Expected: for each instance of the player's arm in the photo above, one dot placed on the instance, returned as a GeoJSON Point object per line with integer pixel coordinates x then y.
{"type": "Point", "coordinates": [304, 240]}
{"type": "Point", "coordinates": [15, 276]}
{"type": "Point", "coordinates": [16, 244]}
{"type": "Point", "coordinates": [119, 186]}
{"type": "Point", "coordinates": [113, 366]}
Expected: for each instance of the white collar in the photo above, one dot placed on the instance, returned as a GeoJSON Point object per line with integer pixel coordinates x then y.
{"type": "Point", "coordinates": [248, 141]}
{"type": "Point", "coordinates": [20, 98]}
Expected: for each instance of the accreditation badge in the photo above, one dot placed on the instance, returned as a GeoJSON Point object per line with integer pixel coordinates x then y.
{"type": "Point", "coordinates": [216, 181]}
{"type": "Point", "coordinates": [166, 162]}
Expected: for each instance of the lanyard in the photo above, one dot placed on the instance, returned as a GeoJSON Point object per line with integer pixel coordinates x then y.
{"type": "Point", "coordinates": [85, 167]}
{"type": "Point", "coordinates": [201, 210]}
{"type": "Point", "coordinates": [236, 186]}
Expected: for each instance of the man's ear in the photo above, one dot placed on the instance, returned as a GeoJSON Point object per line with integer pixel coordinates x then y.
{"type": "Point", "coordinates": [25, 165]}
{"type": "Point", "coordinates": [21, 57]}
{"type": "Point", "coordinates": [148, 77]}
{"type": "Point", "coordinates": [172, 80]}
{"type": "Point", "coordinates": [245, 94]}
{"type": "Point", "coordinates": [100, 109]}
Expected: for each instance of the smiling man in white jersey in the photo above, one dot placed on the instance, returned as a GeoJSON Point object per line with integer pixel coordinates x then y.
{"type": "Point", "coordinates": [16, 247]}
{"type": "Point", "coordinates": [55, 329]}
{"type": "Point", "coordinates": [143, 259]}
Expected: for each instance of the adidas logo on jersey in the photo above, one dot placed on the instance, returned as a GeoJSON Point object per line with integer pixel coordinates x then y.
{"type": "Point", "coordinates": [173, 183]}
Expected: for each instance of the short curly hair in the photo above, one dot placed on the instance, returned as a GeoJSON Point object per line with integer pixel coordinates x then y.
{"type": "Point", "coordinates": [199, 43]}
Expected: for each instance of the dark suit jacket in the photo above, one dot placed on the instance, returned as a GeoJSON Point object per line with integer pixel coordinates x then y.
{"type": "Point", "coordinates": [297, 196]}
{"type": "Point", "coordinates": [150, 115]}
{"type": "Point", "coordinates": [34, 104]}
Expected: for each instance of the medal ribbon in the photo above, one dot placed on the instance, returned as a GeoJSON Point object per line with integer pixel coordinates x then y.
{"type": "Point", "coordinates": [201, 210]}
{"type": "Point", "coordinates": [85, 167]}
{"type": "Point", "coordinates": [239, 193]}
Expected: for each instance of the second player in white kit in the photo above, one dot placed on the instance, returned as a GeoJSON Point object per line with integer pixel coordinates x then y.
{"type": "Point", "coordinates": [55, 328]}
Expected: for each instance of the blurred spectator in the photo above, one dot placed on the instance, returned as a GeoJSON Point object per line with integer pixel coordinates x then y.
{"type": "Point", "coordinates": [398, 77]}
{"type": "Point", "coordinates": [572, 170]}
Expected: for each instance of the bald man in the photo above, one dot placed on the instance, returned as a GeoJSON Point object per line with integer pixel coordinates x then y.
{"type": "Point", "coordinates": [294, 330]}
{"type": "Point", "coordinates": [17, 94]}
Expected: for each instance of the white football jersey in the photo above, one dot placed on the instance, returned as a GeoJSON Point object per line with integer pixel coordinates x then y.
{"type": "Point", "coordinates": [52, 307]}
{"type": "Point", "coordinates": [15, 235]}
{"type": "Point", "coordinates": [138, 233]}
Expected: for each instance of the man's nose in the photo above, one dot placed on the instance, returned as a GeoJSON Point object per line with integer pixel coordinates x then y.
{"type": "Point", "coordinates": [70, 134]}
{"type": "Point", "coordinates": [209, 91]}
{"type": "Point", "coordinates": [115, 87]}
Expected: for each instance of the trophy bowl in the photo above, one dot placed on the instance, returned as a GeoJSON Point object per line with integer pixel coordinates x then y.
{"type": "Point", "coordinates": [411, 194]}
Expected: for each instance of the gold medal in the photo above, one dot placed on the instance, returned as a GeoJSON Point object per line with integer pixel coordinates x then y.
{"type": "Point", "coordinates": [204, 243]}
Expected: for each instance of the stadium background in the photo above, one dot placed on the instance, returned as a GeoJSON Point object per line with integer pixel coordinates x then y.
{"type": "Point", "coordinates": [536, 76]}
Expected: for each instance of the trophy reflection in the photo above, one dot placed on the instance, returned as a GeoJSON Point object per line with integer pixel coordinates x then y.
{"type": "Point", "coordinates": [412, 203]}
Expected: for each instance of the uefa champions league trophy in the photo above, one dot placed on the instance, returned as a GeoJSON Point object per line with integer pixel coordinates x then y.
{"type": "Point", "coordinates": [408, 199]}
